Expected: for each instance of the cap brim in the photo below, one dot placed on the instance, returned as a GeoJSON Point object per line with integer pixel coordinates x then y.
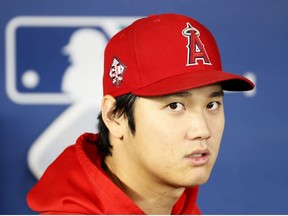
{"type": "Point", "coordinates": [182, 82]}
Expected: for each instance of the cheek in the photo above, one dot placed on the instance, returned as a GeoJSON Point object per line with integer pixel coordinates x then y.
{"type": "Point", "coordinates": [217, 129]}
{"type": "Point", "coordinates": [217, 124]}
{"type": "Point", "coordinates": [156, 136]}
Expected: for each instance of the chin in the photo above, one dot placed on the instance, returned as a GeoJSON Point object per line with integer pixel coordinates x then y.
{"type": "Point", "coordinates": [195, 181]}
{"type": "Point", "coordinates": [201, 179]}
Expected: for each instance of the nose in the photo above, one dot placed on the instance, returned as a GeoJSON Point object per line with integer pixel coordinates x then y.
{"type": "Point", "coordinates": [198, 127]}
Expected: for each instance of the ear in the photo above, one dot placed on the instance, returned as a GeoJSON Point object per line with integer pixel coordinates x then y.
{"type": "Point", "coordinates": [111, 120]}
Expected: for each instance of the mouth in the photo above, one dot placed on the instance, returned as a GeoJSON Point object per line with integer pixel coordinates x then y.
{"type": "Point", "coordinates": [199, 157]}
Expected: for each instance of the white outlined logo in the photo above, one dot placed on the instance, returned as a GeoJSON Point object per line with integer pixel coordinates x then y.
{"type": "Point", "coordinates": [195, 48]}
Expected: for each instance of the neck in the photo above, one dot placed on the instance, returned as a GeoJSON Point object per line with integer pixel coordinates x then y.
{"type": "Point", "coordinates": [150, 197]}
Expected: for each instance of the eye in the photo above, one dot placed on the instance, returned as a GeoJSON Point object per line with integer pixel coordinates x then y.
{"type": "Point", "coordinates": [176, 107]}
{"type": "Point", "coordinates": [213, 105]}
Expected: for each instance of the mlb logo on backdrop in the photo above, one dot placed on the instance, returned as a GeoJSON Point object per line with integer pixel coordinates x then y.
{"type": "Point", "coordinates": [41, 50]}
{"type": "Point", "coordinates": [58, 60]}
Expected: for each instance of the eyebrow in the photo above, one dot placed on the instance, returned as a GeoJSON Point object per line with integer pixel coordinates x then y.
{"type": "Point", "coordinates": [219, 93]}
{"type": "Point", "coordinates": [182, 94]}
{"type": "Point", "coordinates": [185, 94]}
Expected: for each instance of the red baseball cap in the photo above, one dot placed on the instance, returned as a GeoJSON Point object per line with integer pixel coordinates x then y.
{"type": "Point", "coordinates": [164, 54]}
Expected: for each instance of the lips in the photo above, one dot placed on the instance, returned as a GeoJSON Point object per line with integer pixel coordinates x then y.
{"type": "Point", "coordinates": [199, 157]}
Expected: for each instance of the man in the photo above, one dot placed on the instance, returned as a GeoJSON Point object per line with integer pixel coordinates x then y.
{"type": "Point", "coordinates": [160, 127]}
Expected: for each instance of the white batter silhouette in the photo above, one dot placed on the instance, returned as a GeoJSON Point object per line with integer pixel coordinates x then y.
{"type": "Point", "coordinates": [82, 81]}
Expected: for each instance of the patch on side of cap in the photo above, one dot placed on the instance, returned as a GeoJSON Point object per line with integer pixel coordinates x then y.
{"type": "Point", "coordinates": [195, 48]}
{"type": "Point", "coordinates": [116, 73]}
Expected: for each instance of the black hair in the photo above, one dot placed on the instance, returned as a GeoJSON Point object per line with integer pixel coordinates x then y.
{"type": "Point", "coordinates": [124, 105]}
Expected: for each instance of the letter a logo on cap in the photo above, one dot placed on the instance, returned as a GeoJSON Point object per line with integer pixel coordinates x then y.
{"type": "Point", "coordinates": [195, 48]}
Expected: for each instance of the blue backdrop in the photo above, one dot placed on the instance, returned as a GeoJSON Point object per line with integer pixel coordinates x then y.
{"type": "Point", "coordinates": [251, 174]}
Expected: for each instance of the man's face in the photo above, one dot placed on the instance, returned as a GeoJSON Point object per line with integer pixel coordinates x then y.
{"type": "Point", "coordinates": [177, 136]}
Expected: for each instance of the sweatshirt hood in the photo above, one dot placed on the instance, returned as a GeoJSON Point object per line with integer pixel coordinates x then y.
{"type": "Point", "coordinates": [76, 184]}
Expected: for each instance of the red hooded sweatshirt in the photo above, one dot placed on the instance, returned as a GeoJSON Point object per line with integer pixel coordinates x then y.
{"type": "Point", "coordinates": [76, 184]}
